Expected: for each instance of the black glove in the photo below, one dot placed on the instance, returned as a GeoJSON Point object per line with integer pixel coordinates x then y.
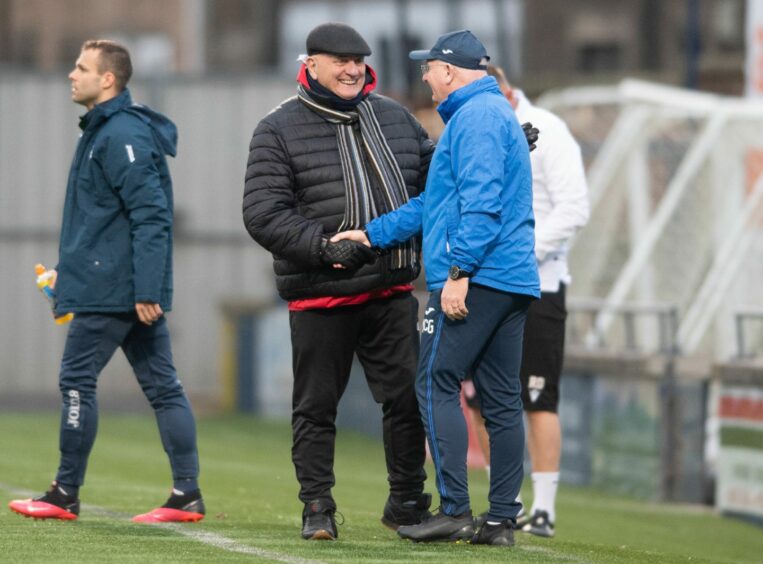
{"type": "Point", "coordinates": [531, 133]}
{"type": "Point", "coordinates": [349, 254]}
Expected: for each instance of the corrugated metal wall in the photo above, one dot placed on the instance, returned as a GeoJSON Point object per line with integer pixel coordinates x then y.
{"type": "Point", "coordinates": [214, 257]}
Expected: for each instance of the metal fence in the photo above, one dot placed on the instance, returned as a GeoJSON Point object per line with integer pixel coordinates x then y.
{"type": "Point", "coordinates": [676, 188]}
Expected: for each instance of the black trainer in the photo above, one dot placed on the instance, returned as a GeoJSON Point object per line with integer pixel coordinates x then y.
{"type": "Point", "coordinates": [537, 524]}
{"type": "Point", "coordinates": [480, 519]}
{"type": "Point", "coordinates": [521, 518]}
{"type": "Point", "coordinates": [440, 527]}
{"type": "Point", "coordinates": [500, 534]}
{"type": "Point", "coordinates": [410, 512]}
{"type": "Point", "coordinates": [318, 522]}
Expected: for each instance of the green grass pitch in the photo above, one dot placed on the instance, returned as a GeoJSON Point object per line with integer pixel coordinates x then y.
{"type": "Point", "coordinates": [253, 514]}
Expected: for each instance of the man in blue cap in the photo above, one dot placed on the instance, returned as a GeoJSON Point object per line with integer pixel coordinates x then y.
{"type": "Point", "coordinates": [477, 223]}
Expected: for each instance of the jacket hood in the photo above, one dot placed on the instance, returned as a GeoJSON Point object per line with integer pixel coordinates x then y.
{"type": "Point", "coordinates": [457, 98]}
{"type": "Point", "coordinates": [165, 129]}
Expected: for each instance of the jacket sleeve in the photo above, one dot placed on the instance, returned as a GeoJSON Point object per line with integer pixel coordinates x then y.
{"type": "Point", "coordinates": [129, 164]}
{"type": "Point", "coordinates": [397, 226]}
{"type": "Point", "coordinates": [405, 222]}
{"type": "Point", "coordinates": [565, 183]}
{"type": "Point", "coordinates": [270, 205]}
{"type": "Point", "coordinates": [479, 152]}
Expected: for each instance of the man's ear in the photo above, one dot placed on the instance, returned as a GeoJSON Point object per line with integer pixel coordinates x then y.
{"type": "Point", "coordinates": [108, 80]}
{"type": "Point", "coordinates": [451, 70]}
{"type": "Point", "coordinates": [310, 64]}
{"type": "Point", "coordinates": [509, 94]}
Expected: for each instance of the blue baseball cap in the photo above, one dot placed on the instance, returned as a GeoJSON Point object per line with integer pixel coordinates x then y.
{"type": "Point", "coordinates": [459, 48]}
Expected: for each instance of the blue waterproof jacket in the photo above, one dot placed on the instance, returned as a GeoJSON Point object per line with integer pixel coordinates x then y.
{"type": "Point", "coordinates": [116, 237]}
{"type": "Point", "coordinates": [476, 211]}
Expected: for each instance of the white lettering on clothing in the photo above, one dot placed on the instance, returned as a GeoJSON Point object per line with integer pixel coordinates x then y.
{"type": "Point", "coordinates": [72, 416]}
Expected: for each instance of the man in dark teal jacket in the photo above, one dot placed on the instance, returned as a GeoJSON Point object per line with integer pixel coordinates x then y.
{"type": "Point", "coordinates": [115, 274]}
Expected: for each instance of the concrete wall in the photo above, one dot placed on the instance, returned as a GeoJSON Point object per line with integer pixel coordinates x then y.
{"type": "Point", "coordinates": [214, 256]}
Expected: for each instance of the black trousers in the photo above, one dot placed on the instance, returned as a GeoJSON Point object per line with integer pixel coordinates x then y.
{"type": "Point", "coordinates": [383, 335]}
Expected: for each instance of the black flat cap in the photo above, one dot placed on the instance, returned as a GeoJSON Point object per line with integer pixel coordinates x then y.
{"type": "Point", "coordinates": [337, 39]}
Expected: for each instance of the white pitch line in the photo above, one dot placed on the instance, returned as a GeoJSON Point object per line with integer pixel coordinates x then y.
{"type": "Point", "coordinates": [549, 552]}
{"type": "Point", "coordinates": [224, 543]}
{"type": "Point", "coordinates": [204, 537]}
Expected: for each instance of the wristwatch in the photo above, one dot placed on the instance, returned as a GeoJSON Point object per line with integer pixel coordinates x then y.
{"type": "Point", "coordinates": [455, 273]}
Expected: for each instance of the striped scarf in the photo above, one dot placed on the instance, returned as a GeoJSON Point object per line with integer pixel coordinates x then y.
{"type": "Point", "coordinates": [360, 206]}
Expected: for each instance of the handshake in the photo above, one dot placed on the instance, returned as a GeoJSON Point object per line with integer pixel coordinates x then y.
{"type": "Point", "coordinates": [346, 253]}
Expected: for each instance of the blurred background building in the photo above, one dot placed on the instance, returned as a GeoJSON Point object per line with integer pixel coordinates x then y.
{"type": "Point", "coordinates": [546, 44]}
{"type": "Point", "coordinates": [664, 383]}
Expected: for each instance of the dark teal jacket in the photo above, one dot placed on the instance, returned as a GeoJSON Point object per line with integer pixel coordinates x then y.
{"type": "Point", "coordinates": [116, 236]}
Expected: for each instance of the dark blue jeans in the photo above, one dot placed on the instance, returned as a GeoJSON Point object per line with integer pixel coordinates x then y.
{"type": "Point", "coordinates": [90, 343]}
{"type": "Point", "coordinates": [488, 345]}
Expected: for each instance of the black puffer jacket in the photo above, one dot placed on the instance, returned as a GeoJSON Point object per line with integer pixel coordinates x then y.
{"type": "Point", "coordinates": [294, 195]}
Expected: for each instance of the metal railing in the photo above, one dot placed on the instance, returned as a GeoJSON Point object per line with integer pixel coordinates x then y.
{"type": "Point", "coordinates": [628, 314]}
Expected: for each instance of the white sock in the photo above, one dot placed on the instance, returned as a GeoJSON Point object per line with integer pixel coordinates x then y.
{"type": "Point", "coordinates": [544, 493]}
{"type": "Point", "coordinates": [522, 509]}
{"type": "Point", "coordinates": [487, 471]}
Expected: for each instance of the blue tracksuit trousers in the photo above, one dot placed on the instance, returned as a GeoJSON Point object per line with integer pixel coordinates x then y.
{"type": "Point", "coordinates": [488, 345]}
{"type": "Point", "coordinates": [92, 340]}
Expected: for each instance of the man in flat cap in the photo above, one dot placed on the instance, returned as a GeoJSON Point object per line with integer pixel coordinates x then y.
{"type": "Point", "coordinates": [477, 223]}
{"type": "Point", "coordinates": [333, 158]}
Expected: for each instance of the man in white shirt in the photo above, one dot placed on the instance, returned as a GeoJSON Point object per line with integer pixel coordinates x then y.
{"type": "Point", "coordinates": [560, 205]}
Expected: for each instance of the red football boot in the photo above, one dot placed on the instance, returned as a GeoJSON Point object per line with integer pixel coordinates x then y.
{"type": "Point", "coordinates": [179, 508]}
{"type": "Point", "coordinates": [53, 504]}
